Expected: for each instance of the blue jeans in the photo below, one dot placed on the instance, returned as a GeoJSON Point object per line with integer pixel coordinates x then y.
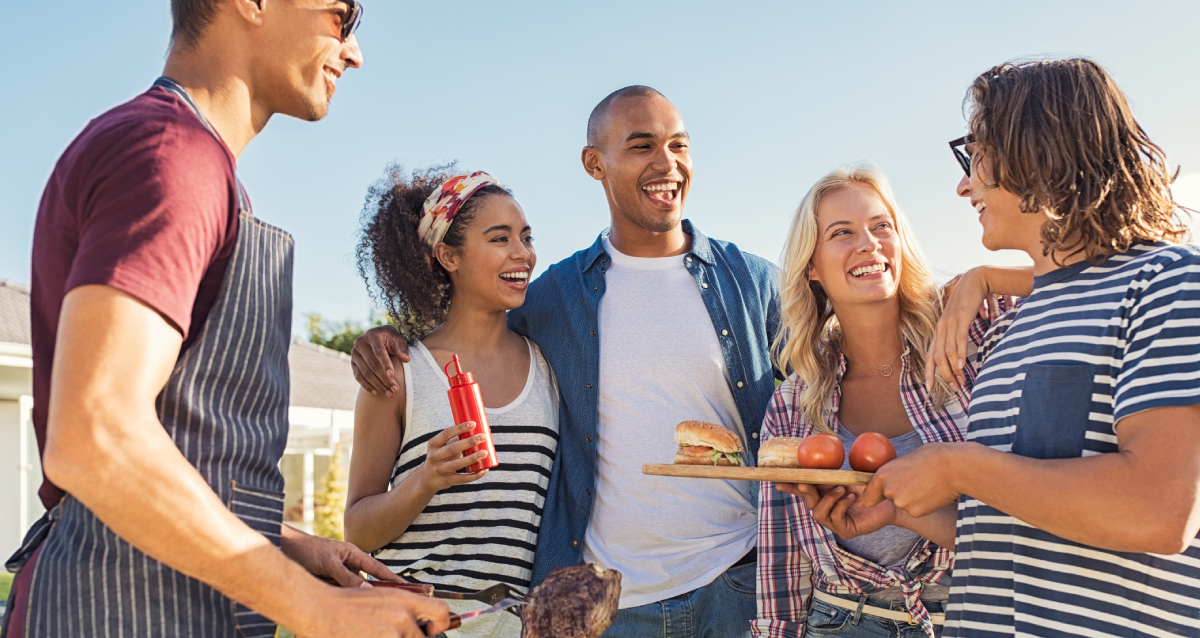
{"type": "Point", "coordinates": [720, 609]}
{"type": "Point", "coordinates": [827, 620]}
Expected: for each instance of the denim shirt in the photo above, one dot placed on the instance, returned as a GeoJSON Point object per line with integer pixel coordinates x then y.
{"type": "Point", "coordinates": [560, 314]}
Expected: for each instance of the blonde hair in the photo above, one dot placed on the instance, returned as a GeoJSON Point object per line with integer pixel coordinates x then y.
{"type": "Point", "coordinates": [808, 342]}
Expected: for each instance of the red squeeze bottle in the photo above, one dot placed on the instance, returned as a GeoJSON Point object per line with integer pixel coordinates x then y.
{"type": "Point", "coordinates": [466, 404]}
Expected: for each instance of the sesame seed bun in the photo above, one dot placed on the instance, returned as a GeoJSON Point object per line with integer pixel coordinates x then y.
{"type": "Point", "coordinates": [704, 434]}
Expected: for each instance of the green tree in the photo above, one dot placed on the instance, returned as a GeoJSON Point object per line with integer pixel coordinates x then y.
{"type": "Point", "coordinates": [329, 504]}
{"type": "Point", "coordinates": [340, 335]}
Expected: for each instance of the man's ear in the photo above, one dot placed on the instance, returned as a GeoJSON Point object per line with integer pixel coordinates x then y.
{"type": "Point", "coordinates": [251, 10]}
{"type": "Point", "coordinates": [446, 256]}
{"type": "Point", "coordinates": [592, 163]}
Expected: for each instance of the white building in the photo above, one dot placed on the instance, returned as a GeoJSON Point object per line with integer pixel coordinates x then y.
{"type": "Point", "coordinates": [321, 415]}
{"type": "Point", "coordinates": [20, 471]}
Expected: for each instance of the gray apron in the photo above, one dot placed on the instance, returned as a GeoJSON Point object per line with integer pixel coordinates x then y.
{"type": "Point", "coordinates": [226, 407]}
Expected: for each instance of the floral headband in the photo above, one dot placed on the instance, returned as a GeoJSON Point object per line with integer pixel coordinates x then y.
{"type": "Point", "coordinates": [443, 204]}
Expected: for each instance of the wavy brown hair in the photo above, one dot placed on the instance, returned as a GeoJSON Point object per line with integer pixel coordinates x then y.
{"type": "Point", "coordinates": [1060, 135]}
{"type": "Point", "coordinates": [392, 258]}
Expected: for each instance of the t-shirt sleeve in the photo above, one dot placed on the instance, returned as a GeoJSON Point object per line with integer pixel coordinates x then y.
{"type": "Point", "coordinates": [154, 214]}
{"type": "Point", "coordinates": [1161, 364]}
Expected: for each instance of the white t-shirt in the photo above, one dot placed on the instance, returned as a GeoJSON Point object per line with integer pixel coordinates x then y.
{"type": "Point", "coordinates": [661, 363]}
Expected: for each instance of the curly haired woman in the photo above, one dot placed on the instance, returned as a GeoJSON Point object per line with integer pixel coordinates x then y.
{"type": "Point", "coordinates": [450, 254]}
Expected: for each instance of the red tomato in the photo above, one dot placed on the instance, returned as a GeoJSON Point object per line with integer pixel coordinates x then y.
{"type": "Point", "coordinates": [870, 451]}
{"type": "Point", "coordinates": [698, 449]}
{"type": "Point", "coordinates": [821, 452]}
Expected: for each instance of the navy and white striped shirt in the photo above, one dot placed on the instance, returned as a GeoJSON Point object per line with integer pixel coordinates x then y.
{"type": "Point", "coordinates": [1091, 345]}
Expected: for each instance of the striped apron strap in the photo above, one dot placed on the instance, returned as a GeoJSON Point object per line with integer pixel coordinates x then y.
{"type": "Point", "coordinates": [173, 87]}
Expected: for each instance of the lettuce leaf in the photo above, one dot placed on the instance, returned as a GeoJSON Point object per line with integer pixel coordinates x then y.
{"type": "Point", "coordinates": [733, 457]}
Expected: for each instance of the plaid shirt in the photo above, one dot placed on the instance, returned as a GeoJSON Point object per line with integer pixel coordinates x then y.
{"type": "Point", "coordinates": [795, 553]}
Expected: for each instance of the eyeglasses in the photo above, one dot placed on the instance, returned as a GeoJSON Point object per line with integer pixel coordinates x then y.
{"type": "Point", "coordinates": [353, 18]}
{"type": "Point", "coordinates": [958, 147]}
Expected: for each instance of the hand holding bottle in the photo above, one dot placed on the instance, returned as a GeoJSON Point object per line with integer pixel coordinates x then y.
{"type": "Point", "coordinates": [466, 404]}
{"type": "Point", "coordinates": [444, 458]}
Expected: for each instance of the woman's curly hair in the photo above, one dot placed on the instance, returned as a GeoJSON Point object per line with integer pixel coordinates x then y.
{"type": "Point", "coordinates": [1060, 135]}
{"type": "Point", "coordinates": [392, 258]}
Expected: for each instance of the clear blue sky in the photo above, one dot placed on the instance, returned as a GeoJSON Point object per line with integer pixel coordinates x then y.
{"type": "Point", "coordinates": [774, 94]}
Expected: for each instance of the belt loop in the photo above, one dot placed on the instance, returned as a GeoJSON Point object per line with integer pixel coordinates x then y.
{"type": "Point", "coordinates": [858, 612]}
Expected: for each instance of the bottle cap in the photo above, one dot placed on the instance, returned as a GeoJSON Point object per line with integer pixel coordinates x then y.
{"type": "Point", "coordinates": [462, 378]}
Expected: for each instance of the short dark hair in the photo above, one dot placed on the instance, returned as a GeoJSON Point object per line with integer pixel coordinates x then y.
{"type": "Point", "coordinates": [1061, 136]}
{"type": "Point", "coordinates": [190, 17]}
{"type": "Point", "coordinates": [596, 119]}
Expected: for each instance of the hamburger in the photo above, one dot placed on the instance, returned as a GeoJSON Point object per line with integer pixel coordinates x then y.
{"type": "Point", "coordinates": [779, 452]}
{"type": "Point", "coordinates": [703, 443]}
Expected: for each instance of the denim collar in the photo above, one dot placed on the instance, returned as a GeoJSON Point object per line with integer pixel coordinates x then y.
{"type": "Point", "coordinates": [701, 248]}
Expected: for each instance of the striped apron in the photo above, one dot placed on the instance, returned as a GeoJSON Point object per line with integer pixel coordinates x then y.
{"type": "Point", "coordinates": [226, 407]}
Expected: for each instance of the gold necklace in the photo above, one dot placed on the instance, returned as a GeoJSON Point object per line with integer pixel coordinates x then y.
{"type": "Point", "coordinates": [885, 370]}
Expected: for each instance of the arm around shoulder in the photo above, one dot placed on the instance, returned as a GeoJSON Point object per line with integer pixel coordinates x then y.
{"type": "Point", "coordinates": [1013, 281]}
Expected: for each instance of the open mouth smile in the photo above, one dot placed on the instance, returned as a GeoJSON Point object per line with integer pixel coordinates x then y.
{"type": "Point", "coordinates": [870, 269]}
{"type": "Point", "coordinates": [518, 279]}
{"type": "Point", "coordinates": [331, 78]}
{"type": "Point", "coordinates": [663, 192]}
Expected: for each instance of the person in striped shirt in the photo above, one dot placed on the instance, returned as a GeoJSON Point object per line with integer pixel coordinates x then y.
{"type": "Point", "coordinates": [1078, 487]}
{"type": "Point", "coordinates": [449, 254]}
{"type": "Point", "coordinates": [859, 307]}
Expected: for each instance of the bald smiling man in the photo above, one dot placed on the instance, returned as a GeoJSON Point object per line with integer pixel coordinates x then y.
{"type": "Point", "coordinates": [652, 325]}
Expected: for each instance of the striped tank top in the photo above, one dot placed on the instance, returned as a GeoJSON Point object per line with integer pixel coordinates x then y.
{"type": "Point", "coordinates": [481, 533]}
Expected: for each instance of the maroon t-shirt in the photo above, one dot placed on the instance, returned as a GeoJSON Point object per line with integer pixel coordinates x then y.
{"type": "Point", "coordinates": [144, 200]}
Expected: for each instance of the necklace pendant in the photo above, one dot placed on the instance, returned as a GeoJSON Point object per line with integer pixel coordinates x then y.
{"type": "Point", "coordinates": [886, 371]}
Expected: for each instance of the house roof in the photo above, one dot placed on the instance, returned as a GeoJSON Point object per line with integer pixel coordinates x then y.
{"type": "Point", "coordinates": [14, 313]}
{"type": "Point", "coordinates": [321, 378]}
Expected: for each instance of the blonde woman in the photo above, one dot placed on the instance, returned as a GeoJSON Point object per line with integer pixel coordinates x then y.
{"type": "Point", "coordinates": [860, 309]}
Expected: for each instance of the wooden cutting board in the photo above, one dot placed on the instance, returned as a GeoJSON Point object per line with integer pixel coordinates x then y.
{"type": "Point", "coordinates": [774, 474]}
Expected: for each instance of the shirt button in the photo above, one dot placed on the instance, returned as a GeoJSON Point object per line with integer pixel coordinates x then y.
{"type": "Point", "coordinates": [588, 439]}
{"type": "Point", "coordinates": [593, 333]}
{"type": "Point", "coordinates": [574, 543]}
{"type": "Point", "coordinates": [589, 386]}
{"type": "Point", "coordinates": [724, 333]}
{"type": "Point", "coordinates": [688, 259]}
{"type": "Point", "coordinates": [589, 492]}
{"type": "Point", "coordinates": [596, 289]}
{"type": "Point", "coordinates": [740, 385]}
{"type": "Point", "coordinates": [754, 435]}
{"type": "Point", "coordinates": [704, 285]}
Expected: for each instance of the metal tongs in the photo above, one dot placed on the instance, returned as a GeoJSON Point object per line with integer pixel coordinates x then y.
{"type": "Point", "coordinates": [488, 596]}
{"type": "Point", "coordinates": [501, 597]}
{"type": "Point", "coordinates": [456, 619]}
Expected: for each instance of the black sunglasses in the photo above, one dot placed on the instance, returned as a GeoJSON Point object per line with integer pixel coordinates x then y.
{"type": "Point", "coordinates": [958, 147]}
{"type": "Point", "coordinates": [353, 18]}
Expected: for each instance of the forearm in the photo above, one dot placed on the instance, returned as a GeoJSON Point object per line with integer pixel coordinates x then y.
{"type": "Point", "coordinates": [127, 471]}
{"type": "Point", "coordinates": [376, 520]}
{"type": "Point", "coordinates": [939, 527]}
{"type": "Point", "coordinates": [1016, 281]}
{"type": "Point", "coordinates": [1105, 501]}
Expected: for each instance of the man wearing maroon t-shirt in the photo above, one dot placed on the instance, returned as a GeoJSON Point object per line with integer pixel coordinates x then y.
{"type": "Point", "coordinates": [161, 319]}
